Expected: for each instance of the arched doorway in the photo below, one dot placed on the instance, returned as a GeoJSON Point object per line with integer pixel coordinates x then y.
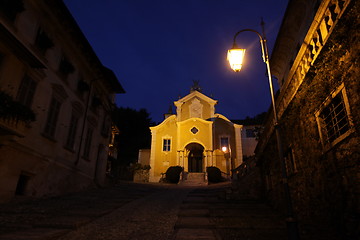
{"type": "Point", "coordinates": [195, 157]}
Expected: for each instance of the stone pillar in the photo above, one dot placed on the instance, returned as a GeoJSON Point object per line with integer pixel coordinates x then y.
{"type": "Point", "coordinates": [181, 158]}
{"type": "Point", "coordinates": [212, 157]}
{"type": "Point", "coordinates": [205, 161]}
{"type": "Point", "coordinates": [185, 159]}
{"type": "Point", "coordinates": [239, 154]}
{"type": "Point", "coordinates": [152, 156]}
{"type": "Point", "coordinates": [178, 153]}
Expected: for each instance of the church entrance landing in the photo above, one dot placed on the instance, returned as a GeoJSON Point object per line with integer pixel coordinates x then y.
{"type": "Point", "coordinates": [195, 157]}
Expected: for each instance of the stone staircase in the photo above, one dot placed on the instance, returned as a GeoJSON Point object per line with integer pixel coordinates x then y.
{"type": "Point", "coordinates": [212, 213]}
{"type": "Point", "coordinates": [193, 179]}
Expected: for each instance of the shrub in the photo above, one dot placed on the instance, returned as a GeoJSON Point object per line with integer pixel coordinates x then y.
{"type": "Point", "coordinates": [214, 174]}
{"type": "Point", "coordinates": [173, 174]}
{"type": "Point", "coordinates": [139, 166]}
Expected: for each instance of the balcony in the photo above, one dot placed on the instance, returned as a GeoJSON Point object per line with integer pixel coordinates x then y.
{"type": "Point", "coordinates": [14, 118]}
{"type": "Point", "coordinates": [10, 130]}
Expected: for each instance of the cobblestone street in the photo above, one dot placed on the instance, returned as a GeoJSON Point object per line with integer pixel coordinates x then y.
{"type": "Point", "coordinates": [142, 211]}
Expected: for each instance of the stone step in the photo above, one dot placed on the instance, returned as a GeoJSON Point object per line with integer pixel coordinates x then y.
{"type": "Point", "coordinates": [201, 200]}
{"type": "Point", "coordinates": [63, 222]}
{"type": "Point", "coordinates": [194, 179]}
{"type": "Point", "coordinates": [197, 176]}
{"type": "Point", "coordinates": [193, 183]}
{"type": "Point", "coordinates": [195, 234]}
{"type": "Point", "coordinates": [250, 223]}
{"type": "Point", "coordinates": [194, 206]}
{"type": "Point", "coordinates": [193, 213]}
{"type": "Point", "coordinates": [194, 222]}
{"type": "Point", "coordinates": [254, 234]}
{"type": "Point", "coordinates": [34, 234]}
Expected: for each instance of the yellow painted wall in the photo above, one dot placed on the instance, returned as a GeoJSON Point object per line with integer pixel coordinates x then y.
{"type": "Point", "coordinates": [185, 109]}
{"type": "Point", "coordinates": [203, 136]}
{"type": "Point", "coordinates": [220, 160]}
{"type": "Point", "coordinates": [178, 129]}
{"type": "Point", "coordinates": [223, 128]}
{"type": "Point", "coordinates": [163, 160]}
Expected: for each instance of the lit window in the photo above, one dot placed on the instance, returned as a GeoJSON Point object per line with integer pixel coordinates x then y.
{"type": "Point", "coordinates": [224, 144]}
{"type": "Point", "coordinates": [333, 118]}
{"type": "Point", "coordinates": [26, 91]}
{"type": "Point", "coordinates": [52, 118]}
{"type": "Point", "coordinates": [166, 145]}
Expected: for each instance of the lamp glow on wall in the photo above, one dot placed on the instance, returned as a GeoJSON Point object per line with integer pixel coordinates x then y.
{"type": "Point", "coordinates": [235, 57]}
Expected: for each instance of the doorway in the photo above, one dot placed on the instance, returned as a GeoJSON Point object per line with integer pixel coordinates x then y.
{"type": "Point", "coordinates": [22, 184]}
{"type": "Point", "coordinates": [195, 157]}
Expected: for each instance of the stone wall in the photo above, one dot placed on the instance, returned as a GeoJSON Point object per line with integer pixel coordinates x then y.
{"type": "Point", "coordinates": [141, 175]}
{"type": "Point", "coordinates": [246, 181]}
{"type": "Point", "coordinates": [324, 183]}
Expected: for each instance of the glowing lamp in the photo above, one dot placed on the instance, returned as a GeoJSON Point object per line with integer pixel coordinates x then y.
{"type": "Point", "coordinates": [235, 57]}
{"type": "Point", "coordinates": [224, 149]}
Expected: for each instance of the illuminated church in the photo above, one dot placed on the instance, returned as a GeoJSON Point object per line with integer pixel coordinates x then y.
{"type": "Point", "coordinates": [195, 137]}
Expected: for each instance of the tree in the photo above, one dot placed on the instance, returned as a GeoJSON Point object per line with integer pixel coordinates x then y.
{"type": "Point", "coordinates": [134, 133]}
{"type": "Point", "coordinates": [258, 119]}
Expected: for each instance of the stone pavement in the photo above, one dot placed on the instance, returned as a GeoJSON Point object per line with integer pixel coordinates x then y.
{"type": "Point", "coordinates": [210, 213]}
{"type": "Point", "coordinates": [142, 211]}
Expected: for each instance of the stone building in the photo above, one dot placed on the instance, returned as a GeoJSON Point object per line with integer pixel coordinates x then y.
{"type": "Point", "coordinates": [49, 70]}
{"type": "Point", "coordinates": [316, 61]}
{"type": "Point", "coordinates": [195, 137]}
{"type": "Point", "coordinates": [252, 127]}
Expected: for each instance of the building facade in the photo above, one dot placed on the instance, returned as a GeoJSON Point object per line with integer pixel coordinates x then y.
{"type": "Point", "coordinates": [195, 137]}
{"type": "Point", "coordinates": [48, 68]}
{"type": "Point", "coordinates": [251, 129]}
{"type": "Point", "coordinates": [316, 61]}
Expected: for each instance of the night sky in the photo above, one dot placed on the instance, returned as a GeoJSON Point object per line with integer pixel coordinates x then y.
{"type": "Point", "coordinates": [158, 47]}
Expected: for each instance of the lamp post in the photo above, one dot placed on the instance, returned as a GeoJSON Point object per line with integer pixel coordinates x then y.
{"type": "Point", "coordinates": [235, 57]}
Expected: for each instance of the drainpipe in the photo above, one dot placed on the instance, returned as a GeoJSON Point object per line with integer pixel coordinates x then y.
{"type": "Point", "coordinates": [84, 121]}
{"type": "Point", "coordinates": [96, 180]}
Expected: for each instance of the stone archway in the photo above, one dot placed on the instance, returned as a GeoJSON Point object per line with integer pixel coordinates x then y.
{"type": "Point", "coordinates": [195, 157]}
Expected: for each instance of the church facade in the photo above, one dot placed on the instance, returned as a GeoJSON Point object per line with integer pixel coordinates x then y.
{"type": "Point", "coordinates": [195, 137]}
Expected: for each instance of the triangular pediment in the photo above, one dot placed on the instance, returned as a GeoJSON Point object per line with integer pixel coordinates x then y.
{"type": "Point", "coordinates": [198, 95]}
{"type": "Point", "coordinates": [195, 105]}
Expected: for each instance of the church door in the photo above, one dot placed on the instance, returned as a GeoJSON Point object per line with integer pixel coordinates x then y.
{"type": "Point", "coordinates": [195, 157]}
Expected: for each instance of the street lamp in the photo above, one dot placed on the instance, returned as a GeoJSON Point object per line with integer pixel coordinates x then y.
{"type": "Point", "coordinates": [235, 57]}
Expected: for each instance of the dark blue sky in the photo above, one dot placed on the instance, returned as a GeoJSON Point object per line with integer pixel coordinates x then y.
{"type": "Point", "coordinates": [158, 47]}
